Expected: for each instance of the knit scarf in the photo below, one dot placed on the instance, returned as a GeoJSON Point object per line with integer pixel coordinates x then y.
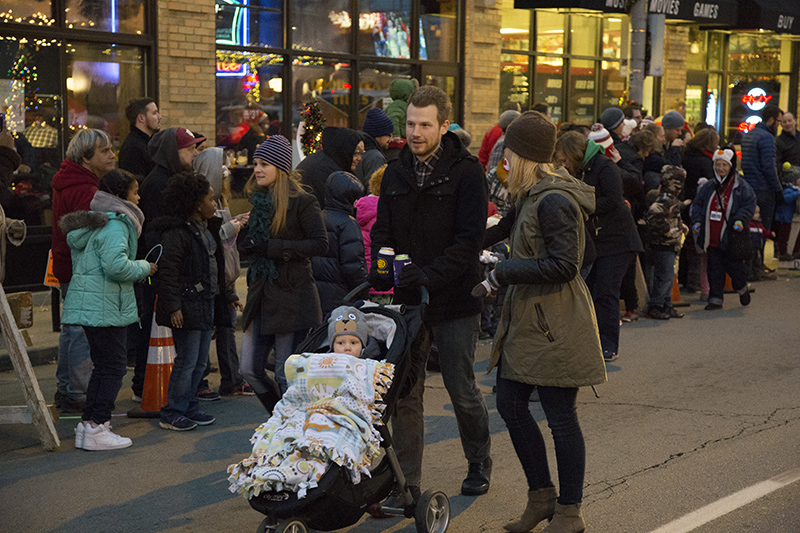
{"type": "Point", "coordinates": [260, 224]}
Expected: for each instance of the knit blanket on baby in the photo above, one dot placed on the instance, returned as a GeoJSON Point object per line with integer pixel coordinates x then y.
{"type": "Point", "coordinates": [328, 413]}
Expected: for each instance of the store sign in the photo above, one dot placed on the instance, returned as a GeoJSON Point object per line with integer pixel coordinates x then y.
{"type": "Point", "coordinates": [721, 12]}
{"type": "Point", "coordinates": [756, 99]}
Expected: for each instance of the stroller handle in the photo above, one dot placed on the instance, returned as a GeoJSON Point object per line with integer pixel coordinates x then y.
{"type": "Point", "coordinates": [423, 293]}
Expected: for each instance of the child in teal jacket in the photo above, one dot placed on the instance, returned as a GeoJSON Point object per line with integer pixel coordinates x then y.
{"type": "Point", "coordinates": [101, 299]}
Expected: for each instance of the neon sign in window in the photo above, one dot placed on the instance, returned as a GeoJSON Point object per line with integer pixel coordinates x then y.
{"type": "Point", "coordinates": [233, 28]}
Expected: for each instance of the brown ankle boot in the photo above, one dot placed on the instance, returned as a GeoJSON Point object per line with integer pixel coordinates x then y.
{"type": "Point", "coordinates": [567, 519]}
{"type": "Point", "coordinates": [541, 505]}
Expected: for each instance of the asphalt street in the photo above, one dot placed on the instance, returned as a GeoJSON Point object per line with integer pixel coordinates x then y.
{"type": "Point", "coordinates": [696, 429]}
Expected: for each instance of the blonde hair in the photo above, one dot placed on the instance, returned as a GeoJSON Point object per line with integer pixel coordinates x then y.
{"type": "Point", "coordinates": [375, 181]}
{"type": "Point", "coordinates": [284, 187]}
{"type": "Point", "coordinates": [524, 174]}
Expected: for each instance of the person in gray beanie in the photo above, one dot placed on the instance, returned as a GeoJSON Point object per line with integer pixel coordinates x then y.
{"type": "Point", "coordinates": [347, 331]}
{"type": "Point", "coordinates": [673, 123]}
{"type": "Point", "coordinates": [376, 134]}
{"type": "Point", "coordinates": [553, 345]}
{"type": "Point", "coordinates": [612, 118]}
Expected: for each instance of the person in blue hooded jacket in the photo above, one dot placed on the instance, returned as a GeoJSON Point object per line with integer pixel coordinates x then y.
{"type": "Point", "coordinates": [344, 267]}
{"type": "Point", "coordinates": [101, 298]}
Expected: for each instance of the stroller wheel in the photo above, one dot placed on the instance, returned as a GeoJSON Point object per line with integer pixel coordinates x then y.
{"type": "Point", "coordinates": [432, 514]}
{"type": "Point", "coordinates": [266, 526]}
{"type": "Point", "coordinates": [293, 525]}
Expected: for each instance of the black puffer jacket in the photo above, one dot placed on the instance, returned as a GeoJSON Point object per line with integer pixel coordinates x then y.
{"type": "Point", "coordinates": [614, 229]}
{"type": "Point", "coordinates": [697, 164]}
{"type": "Point", "coordinates": [290, 303]}
{"type": "Point", "coordinates": [184, 275]}
{"type": "Point", "coordinates": [440, 225]}
{"type": "Point", "coordinates": [344, 267]}
{"type": "Point", "coordinates": [338, 147]}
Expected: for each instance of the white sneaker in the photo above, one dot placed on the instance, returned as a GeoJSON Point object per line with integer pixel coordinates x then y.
{"type": "Point", "coordinates": [102, 438]}
{"type": "Point", "coordinates": [80, 432]}
{"type": "Point", "coordinates": [137, 399]}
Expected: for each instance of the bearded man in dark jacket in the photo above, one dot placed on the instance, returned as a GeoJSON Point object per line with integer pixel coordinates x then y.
{"type": "Point", "coordinates": [433, 207]}
{"type": "Point", "coordinates": [342, 149]}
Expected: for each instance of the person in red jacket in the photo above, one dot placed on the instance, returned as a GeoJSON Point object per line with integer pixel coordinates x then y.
{"type": "Point", "coordinates": [494, 133]}
{"type": "Point", "coordinates": [89, 157]}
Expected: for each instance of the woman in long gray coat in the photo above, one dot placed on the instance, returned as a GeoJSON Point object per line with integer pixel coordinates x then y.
{"type": "Point", "coordinates": [547, 338]}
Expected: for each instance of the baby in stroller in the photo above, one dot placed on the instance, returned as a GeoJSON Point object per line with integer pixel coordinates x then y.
{"type": "Point", "coordinates": [328, 414]}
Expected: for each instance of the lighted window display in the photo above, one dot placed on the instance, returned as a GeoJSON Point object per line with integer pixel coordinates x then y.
{"type": "Point", "coordinates": [385, 32]}
{"type": "Point", "coordinates": [612, 85]}
{"type": "Point", "coordinates": [696, 58]}
{"type": "Point", "coordinates": [124, 16]}
{"type": "Point", "coordinates": [757, 52]}
{"type": "Point", "coordinates": [549, 85]}
{"type": "Point", "coordinates": [716, 44]}
{"type": "Point", "coordinates": [27, 11]}
{"type": "Point", "coordinates": [748, 95]}
{"type": "Point", "coordinates": [373, 85]}
{"type": "Point", "coordinates": [322, 25]}
{"type": "Point", "coordinates": [614, 39]}
{"type": "Point", "coordinates": [516, 24]}
{"type": "Point", "coordinates": [437, 30]}
{"type": "Point", "coordinates": [250, 103]}
{"type": "Point", "coordinates": [550, 32]}
{"type": "Point", "coordinates": [582, 90]}
{"type": "Point", "coordinates": [326, 80]}
{"type": "Point", "coordinates": [583, 35]}
{"type": "Point", "coordinates": [243, 26]}
{"type": "Point", "coordinates": [101, 80]}
{"type": "Point", "coordinates": [514, 79]}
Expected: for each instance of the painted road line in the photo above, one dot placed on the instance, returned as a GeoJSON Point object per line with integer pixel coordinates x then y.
{"type": "Point", "coordinates": [729, 504]}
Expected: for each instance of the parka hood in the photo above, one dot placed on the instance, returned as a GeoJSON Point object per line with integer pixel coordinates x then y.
{"type": "Point", "coordinates": [340, 144]}
{"type": "Point", "coordinates": [208, 163]}
{"type": "Point", "coordinates": [559, 180]}
{"type": "Point", "coordinates": [341, 191]}
{"type": "Point", "coordinates": [78, 226]}
{"type": "Point", "coordinates": [402, 89]}
{"type": "Point", "coordinates": [163, 148]}
{"type": "Point", "coordinates": [71, 174]}
{"type": "Point", "coordinates": [592, 149]}
{"type": "Point", "coordinates": [108, 203]}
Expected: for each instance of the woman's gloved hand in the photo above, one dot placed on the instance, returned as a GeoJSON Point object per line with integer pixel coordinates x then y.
{"type": "Point", "coordinates": [486, 287]}
{"type": "Point", "coordinates": [412, 276]}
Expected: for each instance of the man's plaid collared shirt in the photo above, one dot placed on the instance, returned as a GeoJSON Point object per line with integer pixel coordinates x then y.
{"type": "Point", "coordinates": [424, 169]}
{"type": "Point", "coordinates": [42, 135]}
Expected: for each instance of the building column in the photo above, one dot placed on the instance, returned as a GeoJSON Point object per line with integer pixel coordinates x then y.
{"type": "Point", "coordinates": [676, 51]}
{"type": "Point", "coordinates": [481, 68]}
{"type": "Point", "coordinates": [186, 64]}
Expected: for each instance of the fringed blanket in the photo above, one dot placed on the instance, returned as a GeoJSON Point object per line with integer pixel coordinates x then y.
{"type": "Point", "coordinates": [329, 413]}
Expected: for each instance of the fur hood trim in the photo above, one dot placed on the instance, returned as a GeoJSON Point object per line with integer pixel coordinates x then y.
{"type": "Point", "coordinates": [82, 219]}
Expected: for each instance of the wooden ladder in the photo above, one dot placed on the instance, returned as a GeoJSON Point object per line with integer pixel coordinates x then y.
{"type": "Point", "coordinates": [36, 411]}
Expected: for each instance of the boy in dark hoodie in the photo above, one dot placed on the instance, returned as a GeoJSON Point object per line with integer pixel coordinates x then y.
{"type": "Point", "coordinates": [342, 149]}
{"type": "Point", "coordinates": [344, 267]}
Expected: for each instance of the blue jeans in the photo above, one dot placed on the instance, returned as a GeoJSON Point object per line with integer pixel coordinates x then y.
{"type": "Point", "coordinates": [191, 357]}
{"type": "Point", "coordinates": [256, 347]}
{"type": "Point", "coordinates": [660, 290]}
{"type": "Point", "coordinates": [560, 408]}
{"type": "Point", "coordinates": [456, 340]}
{"type": "Point", "coordinates": [605, 281]}
{"type": "Point", "coordinates": [109, 355]}
{"type": "Point", "coordinates": [74, 362]}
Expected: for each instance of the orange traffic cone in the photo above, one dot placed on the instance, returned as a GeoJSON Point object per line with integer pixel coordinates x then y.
{"type": "Point", "coordinates": [728, 284]}
{"type": "Point", "coordinates": [676, 294]}
{"type": "Point", "coordinates": [160, 356]}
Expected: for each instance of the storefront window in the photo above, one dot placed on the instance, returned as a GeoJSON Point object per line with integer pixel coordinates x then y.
{"type": "Point", "coordinates": [446, 81]}
{"type": "Point", "coordinates": [373, 86]}
{"type": "Point", "coordinates": [614, 41]}
{"type": "Point", "coordinates": [385, 32]}
{"type": "Point", "coordinates": [26, 11]}
{"type": "Point", "coordinates": [245, 26]}
{"type": "Point", "coordinates": [583, 35]}
{"type": "Point", "coordinates": [696, 58]}
{"type": "Point", "coordinates": [112, 15]}
{"type": "Point", "coordinates": [550, 32]}
{"type": "Point", "coordinates": [101, 80]}
{"type": "Point", "coordinates": [514, 80]}
{"type": "Point", "coordinates": [582, 105]}
{"type": "Point", "coordinates": [755, 53]}
{"type": "Point", "coordinates": [249, 96]}
{"type": "Point", "coordinates": [612, 85]}
{"type": "Point", "coordinates": [322, 25]}
{"type": "Point", "coordinates": [713, 109]}
{"type": "Point", "coordinates": [549, 85]}
{"type": "Point", "coordinates": [329, 81]}
{"type": "Point", "coordinates": [515, 29]}
{"type": "Point", "coordinates": [437, 30]}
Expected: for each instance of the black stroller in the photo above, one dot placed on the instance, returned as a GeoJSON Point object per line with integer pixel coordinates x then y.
{"type": "Point", "coordinates": [336, 502]}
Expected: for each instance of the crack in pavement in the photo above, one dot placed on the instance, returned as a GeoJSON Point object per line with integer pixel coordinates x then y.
{"type": "Point", "coordinates": [605, 489]}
